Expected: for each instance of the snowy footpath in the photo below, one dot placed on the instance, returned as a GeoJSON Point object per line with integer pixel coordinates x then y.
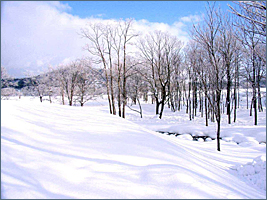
{"type": "Point", "coordinates": [55, 151]}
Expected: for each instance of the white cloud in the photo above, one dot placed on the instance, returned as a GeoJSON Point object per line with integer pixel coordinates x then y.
{"type": "Point", "coordinates": [38, 31]}
{"type": "Point", "coordinates": [37, 34]}
{"type": "Point", "coordinates": [192, 18]}
{"type": "Point", "coordinates": [60, 6]}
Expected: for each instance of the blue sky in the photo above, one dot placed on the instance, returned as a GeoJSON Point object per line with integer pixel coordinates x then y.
{"type": "Point", "coordinates": [153, 11]}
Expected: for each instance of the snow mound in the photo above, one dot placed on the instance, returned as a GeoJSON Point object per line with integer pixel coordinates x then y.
{"type": "Point", "coordinates": [239, 138]}
{"type": "Point", "coordinates": [208, 139]}
{"type": "Point", "coordinates": [254, 172]}
{"type": "Point", "coordinates": [200, 140]}
{"type": "Point", "coordinates": [261, 137]}
{"type": "Point", "coordinates": [185, 137]}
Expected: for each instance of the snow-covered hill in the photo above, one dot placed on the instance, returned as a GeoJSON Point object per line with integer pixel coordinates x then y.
{"type": "Point", "coordinates": [55, 151]}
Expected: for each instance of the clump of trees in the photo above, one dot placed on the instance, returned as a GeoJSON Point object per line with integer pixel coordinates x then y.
{"type": "Point", "coordinates": [77, 81]}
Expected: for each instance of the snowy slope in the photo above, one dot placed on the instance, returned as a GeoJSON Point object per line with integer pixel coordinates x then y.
{"type": "Point", "coordinates": [55, 151]}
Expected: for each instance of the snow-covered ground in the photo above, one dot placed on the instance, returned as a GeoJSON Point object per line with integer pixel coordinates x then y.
{"type": "Point", "coordinates": [54, 151]}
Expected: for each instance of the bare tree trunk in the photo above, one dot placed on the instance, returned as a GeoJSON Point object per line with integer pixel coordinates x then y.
{"type": "Point", "coordinates": [235, 89]}
{"type": "Point", "coordinates": [186, 98]}
{"type": "Point", "coordinates": [162, 101]}
{"type": "Point", "coordinates": [228, 94]}
{"type": "Point", "coordinates": [140, 108]}
{"type": "Point", "coordinates": [212, 118]}
{"type": "Point", "coordinates": [82, 100]}
{"type": "Point", "coordinates": [112, 98]}
{"type": "Point", "coordinates": [195, 97]}
{"type": "Point", "coordinates": [119, 98]}
{"type": "Point", "coordinates": [189, 98]}
{"type": "Point", "coordinates": [235, 102]}
{"type": "Point", "coordinates": [251, 106]}
{"type": "Point", "coordinates": [179, 100]}
{"type": "Point", "coordinates": [218, 117]}
{"type": "Point", "coordinates": [107, 86]}
{"type": "Point", "coordinates": [247, 94]}
{"type": "Point", "coordinates": [254, 99]}
{"type": "Point", "coordinates": [259, 93]}
{"type": "Point", "coordinates": [218, 134]}
{"type": "Point", "coordinates": [62, 96]}
{"type": "Point", "coordinates": [201, 102]}
{"type": "Point", "coordinates": [124, 94]}
{"type": "Point", "coordinates": [157, 105]}
{"type": "Point", "coordinates": [255, 111]}
{"type": "Point", "coordinates": [161, 110]}
{"type": "Point", "coordinates": [206, 109]}
{"type": "Point", "coordinates": [111, 83]}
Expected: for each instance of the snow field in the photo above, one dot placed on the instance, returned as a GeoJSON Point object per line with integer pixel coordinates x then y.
{"type": "Point", "coordinates": [55, 151]}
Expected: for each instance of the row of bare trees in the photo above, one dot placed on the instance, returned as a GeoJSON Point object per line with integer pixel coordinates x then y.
{"type": "Point", "coordinates": [219, 55]}
{"type": "Point", "coordinates": [77, 81]}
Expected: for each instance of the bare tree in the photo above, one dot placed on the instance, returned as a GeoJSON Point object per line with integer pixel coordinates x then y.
{"type": "Point", "coordinates": [227, 49]}
{"type": "Point", "coordinates": [208, 36]}
{"type": "Point", "coordinates": [237, 63]}
{"type": "Point", "coordinates": [127, 35]}
{"type": "Point", "coordinates": [116, 36]}
{"type": "Point", "coordinates": [98, 48]}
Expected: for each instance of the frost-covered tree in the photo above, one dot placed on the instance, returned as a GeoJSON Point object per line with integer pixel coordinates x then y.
{"type": "Point", "coordinates": [4, 74]}
{"type": "Point", "coordinates": [68, 80]}
{"type": "Point", "coordinates": [86, 80]}
{"type": "Point", "coordinates": [40, 85]}
{"type": "Point", "coordinates": [99, 47]}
